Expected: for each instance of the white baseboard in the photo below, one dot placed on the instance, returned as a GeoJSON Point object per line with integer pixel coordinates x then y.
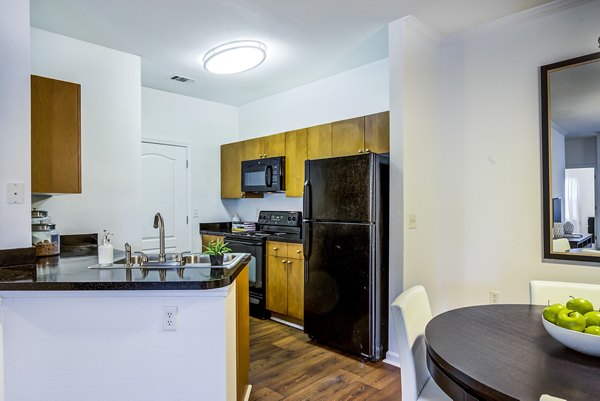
{"type": "Point", "coordinates": [392, 358]}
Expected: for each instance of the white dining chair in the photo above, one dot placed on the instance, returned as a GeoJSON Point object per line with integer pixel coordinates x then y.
{"type": "Point", "coordinates": [551, 292]}
{"type": "Point", "coordinates": [560, 245]}
{"type": "Point", "coordinates": [546, 397]}
{"type": "Point", "coordinates": [411, 313]}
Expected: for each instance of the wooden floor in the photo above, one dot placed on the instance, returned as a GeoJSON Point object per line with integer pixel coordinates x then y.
{"type": "Point", "coordinates": [286, 365]}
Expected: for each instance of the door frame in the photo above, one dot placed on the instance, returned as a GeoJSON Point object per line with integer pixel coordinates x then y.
{"type": "Point", "coordinates": [188, 180]}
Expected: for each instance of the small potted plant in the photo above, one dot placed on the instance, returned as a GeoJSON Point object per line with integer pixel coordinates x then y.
{"type": "Point", "coordinates": [216, 250]}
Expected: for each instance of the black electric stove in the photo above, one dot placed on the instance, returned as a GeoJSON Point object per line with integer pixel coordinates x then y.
{"type": "Point", "coordinates": [272, 225]}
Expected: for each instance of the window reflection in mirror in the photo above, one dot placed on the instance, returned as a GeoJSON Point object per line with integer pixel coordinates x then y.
{"type": "Point", "coordinates": [570, 96]}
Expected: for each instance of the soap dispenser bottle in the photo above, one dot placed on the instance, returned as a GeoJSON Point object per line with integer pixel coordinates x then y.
{"type": "Point", "coordinates": [105, 251]}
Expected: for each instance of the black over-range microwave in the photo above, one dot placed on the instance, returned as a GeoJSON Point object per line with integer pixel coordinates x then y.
{"type": "Point", "coordinates": [263, 175]}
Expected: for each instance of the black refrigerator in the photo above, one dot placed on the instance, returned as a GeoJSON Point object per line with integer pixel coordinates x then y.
{"type": "Point", "coordinates": [345, 222]}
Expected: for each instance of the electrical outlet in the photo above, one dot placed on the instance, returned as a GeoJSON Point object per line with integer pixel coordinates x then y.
{"type": "Point", "coordinates": [169, 318]}
{"type": "Point", "coordinates": [494, 296]}
{"type": "Point", "coordinates": [412, 221]}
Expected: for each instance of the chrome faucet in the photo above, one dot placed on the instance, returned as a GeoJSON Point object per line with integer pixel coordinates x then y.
{"type": "Point", "coordinates": [127, 254]}
{"type": "Point", "coordinates": [159, 223]}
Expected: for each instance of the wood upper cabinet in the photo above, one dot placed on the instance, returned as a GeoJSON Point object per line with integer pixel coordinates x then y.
{"type": "Point", "coordinates": [295, 155]}
{"type": "Point", "coordinates": [275, 145]}
{"type": "Point", "coordinates": [265, 146]}
{"type": "Point", "coordinates": [285, 279]}
{"type": "Point", "coordinates": [55, 136]}
{"type": "Point", "coordinates": [348, 137]}
{"type": "Point", "coordinates": [361, 135]}
{"type": "Point", "coordinates": [231, 170]}
{"type": "Point", "coordinates": [319, 141]}
{"type": "Point", "coordinates": [377, 132]}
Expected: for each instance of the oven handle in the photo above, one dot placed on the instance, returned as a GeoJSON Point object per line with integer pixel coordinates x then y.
{"type": "Point", "coordinates": [237, 241]}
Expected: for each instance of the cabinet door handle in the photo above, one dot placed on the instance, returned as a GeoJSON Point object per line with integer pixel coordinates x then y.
{"type": "Point", "coordinates": [368, 150]}
{"type": "Point", "coordinates": [289, 262]}
{"type": "Point", "coordinates": [297, 250]}
{"type": "Point", "coordinates": [359, 150]}
{"type": "Point", "coordinates": [265, 155]}
{"type": "Point", "coordinates": [283, 261]}
{"type": "Point", "coordinates": [275, 248]}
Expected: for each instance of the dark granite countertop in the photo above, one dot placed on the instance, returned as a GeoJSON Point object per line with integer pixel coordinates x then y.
{"type": "Point", "coordinates": [73, 274]}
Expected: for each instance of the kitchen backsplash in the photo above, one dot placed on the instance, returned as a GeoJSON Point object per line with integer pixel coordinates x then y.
{"type": "Point", "coordinates": [248, 209]}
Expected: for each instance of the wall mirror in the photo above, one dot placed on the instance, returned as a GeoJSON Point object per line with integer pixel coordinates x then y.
{"type": "Point", "coordinates": [570, 103]}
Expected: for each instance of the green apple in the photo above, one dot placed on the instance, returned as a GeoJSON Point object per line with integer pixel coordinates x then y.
{"type": "Point", "coordinates": [595, 330]}
{"type": "Point", "coordinates": [580, 305]}
{"type": "Point", "coordinates": [551, 311]}
{"type": "Point", "coordinates": [570, 319]}
{"type": "Point", "coordinates": [592, 318]}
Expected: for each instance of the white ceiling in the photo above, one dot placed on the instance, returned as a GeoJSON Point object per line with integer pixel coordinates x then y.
{"type": "Point", "coordinates": [307, 40]}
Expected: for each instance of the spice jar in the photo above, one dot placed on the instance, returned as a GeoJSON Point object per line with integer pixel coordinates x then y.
{"type": "Point", "coordinates": [44, 235]}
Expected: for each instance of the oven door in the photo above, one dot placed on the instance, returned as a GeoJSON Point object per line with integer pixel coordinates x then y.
{"type": "Point", "coordinates": [256, 266]}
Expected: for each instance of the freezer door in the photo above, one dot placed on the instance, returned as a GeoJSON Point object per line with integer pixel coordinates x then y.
{"type": "Point", "coordinates": [339, 288]}
{"type": "Point", "coordinates": [339, 189]}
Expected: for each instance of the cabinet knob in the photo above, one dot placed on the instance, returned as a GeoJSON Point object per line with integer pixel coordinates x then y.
{"type": "Point", "coordinates": [265, 155]}
{"type": "Point", "coordinates": [283, 261]}
{"type": "Point", "coordinates": [275, 248]}
{"type": "Point", "coordinates": [359, 150]}
{"type": "Point", "coordinates": [368, 150]}
{"type": "Point", "coordinates": [297, 250]}
{"type": "Point", "coordinates": [289, 262]}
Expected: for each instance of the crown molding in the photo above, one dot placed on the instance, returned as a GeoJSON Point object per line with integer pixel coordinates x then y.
{"type": "Point", "coordinates": [425, 30]}
{"type": "Point", "coordinates": [517, 18]}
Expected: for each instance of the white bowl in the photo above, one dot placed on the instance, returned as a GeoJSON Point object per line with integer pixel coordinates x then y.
{"type": "Point", "coordinates": [582, 342]}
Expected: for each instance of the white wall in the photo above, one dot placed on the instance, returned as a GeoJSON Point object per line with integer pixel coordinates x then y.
{"type": "Point", "coordinates": [413, 158]}
{"type": "Point", "coordinates": [110, 345]}
{"type": "Point", "coordinates": [579, 152]}
{"type": "Point", "coordinates": [489, 233]}
{"type": "Point", "coordinates": [15, 125]}
{"type": "Point", "coordinates": [110, 136]}
{"type": "Point", "coordinates": [203, 126]}
{"type": "Point", "coordinates": [358, 92]}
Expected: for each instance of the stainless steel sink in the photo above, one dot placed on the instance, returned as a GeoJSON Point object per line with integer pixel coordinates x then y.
{"type": "Point", "coordinates": [173, 261]}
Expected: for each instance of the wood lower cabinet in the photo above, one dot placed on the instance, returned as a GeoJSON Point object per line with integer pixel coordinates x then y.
{"type": "Point", "coordinates": [55, 136]}
{"type": "Point", "coordinates": [285, 279]}
{"type": "Point", "coordinates": [242, 333]}
{"type": "Point", "coordinates": [206, 238]}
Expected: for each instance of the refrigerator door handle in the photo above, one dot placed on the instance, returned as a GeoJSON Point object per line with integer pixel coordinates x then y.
{"type": "Point", "coordinates": [306, 247]}
{"type": "Point", "coordinates": [307, 197]}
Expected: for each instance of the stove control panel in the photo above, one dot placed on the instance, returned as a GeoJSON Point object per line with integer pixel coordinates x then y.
{"type": "Point", "coordinates": [277, 218]}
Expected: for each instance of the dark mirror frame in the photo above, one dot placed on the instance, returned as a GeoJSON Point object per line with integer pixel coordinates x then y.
{"type": "Point", "coordinates": [547, 159]}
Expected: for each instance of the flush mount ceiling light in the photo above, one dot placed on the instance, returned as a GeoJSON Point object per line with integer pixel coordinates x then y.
{"type": "Point", "coordinates": [234, 57]}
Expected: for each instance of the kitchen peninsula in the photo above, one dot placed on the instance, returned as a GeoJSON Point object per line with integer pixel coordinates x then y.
{"type": "Point", "coordinates": [124, 334]}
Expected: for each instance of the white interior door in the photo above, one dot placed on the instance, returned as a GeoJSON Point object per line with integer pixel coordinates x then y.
{"type": "Point", "coordinates": [164, 190]}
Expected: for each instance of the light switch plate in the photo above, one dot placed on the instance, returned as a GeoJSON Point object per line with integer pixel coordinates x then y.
{"type": "Point", "coordinates": [15, 193]}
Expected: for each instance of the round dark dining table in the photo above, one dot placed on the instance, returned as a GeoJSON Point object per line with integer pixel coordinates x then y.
{"type": "Point", "coordinates": [502, 352]}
